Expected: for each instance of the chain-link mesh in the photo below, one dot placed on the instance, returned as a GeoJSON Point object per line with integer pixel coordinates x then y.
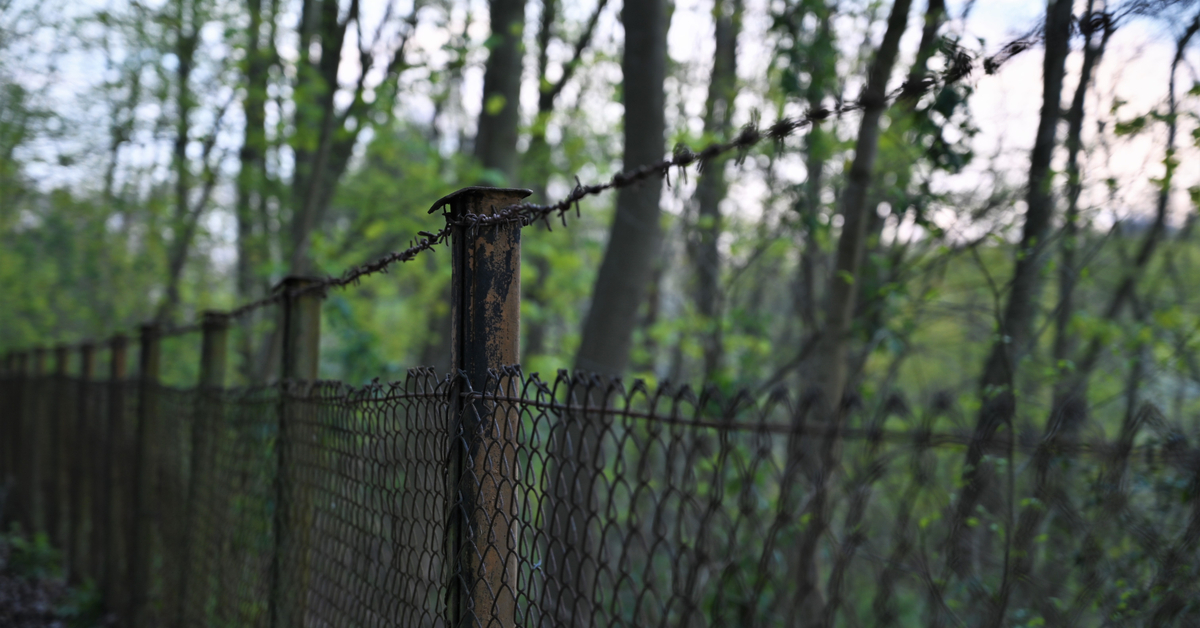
{"type": "Point", "coordinates": [580, 502]}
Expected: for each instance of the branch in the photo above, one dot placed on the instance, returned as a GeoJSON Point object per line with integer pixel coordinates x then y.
{"type": "Point", "coordinates": [546, 99]}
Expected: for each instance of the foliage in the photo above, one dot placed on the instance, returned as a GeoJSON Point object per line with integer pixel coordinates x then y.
{"type": "Point", "coordinates": [32, 558]}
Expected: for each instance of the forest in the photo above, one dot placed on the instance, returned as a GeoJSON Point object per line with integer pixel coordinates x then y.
{"type": "Point", "coordinates": [161, 159]}
{"type": "Point", "coordinates": [982, 209]}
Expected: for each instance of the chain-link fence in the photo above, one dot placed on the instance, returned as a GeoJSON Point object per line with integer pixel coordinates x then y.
{"type": "Point", "coordinates": [580, 502]}
{"type": "Point", "coordinates": [489, 498]}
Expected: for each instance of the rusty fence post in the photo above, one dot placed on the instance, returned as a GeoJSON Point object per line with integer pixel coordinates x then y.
{"type": "Point", "coordinates": [35, 420]}
{"type": "Point", "coordinates": [141, 542]}
{"type": "Point", "coordinates": [301, 343]}
{"type": "Point", "coordinates": [17, 446]}
{"type": "Point", "coordinates": [8, 432]}
{"type": "Point", "coordinates": [114, 486]}
{"type": "Point", "coordinates": [485, 311]}
{"type": "Point", "coordinates": [56, 422]}
{"type": "Point", "coordinates": [205, 431]}
{"type": "Point", "coordinates": [79, 449]}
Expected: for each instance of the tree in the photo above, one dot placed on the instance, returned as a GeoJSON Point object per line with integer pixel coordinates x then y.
{"type": "Point", "coordinates": [1014, 333]}
{"type": "Point", "coordinates": [711, 187]}
{"type": "Point", "coordinates": [607, 333]}
{"type": "Point", "coordinates": [633, 240]}
{"type": "Point", "coordinates": [324, 133]}
{"type": "Point", "coordinates": [496, 139]}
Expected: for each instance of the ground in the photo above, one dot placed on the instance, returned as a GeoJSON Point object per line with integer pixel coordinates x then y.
{"type": "Point", "coordinates": [32, 595]}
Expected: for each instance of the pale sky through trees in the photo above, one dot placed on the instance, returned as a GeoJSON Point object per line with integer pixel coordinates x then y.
{"type": "Point", "coordinates": [1004, 106]}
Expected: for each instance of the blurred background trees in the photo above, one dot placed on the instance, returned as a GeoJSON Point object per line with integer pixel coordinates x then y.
{"type": "Point", "coordinates": [1020, 241]}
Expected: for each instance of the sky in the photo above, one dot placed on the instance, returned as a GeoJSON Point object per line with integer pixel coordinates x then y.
{"type": "Point", "coordinates": [1005, 106]}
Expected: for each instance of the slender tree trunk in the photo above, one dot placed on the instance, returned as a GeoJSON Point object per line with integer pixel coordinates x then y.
{"type": "Point", "coordinates": [1016, 325]}
{"type": "Point", "coordinates": [537, 159]}
{"type": "Point", "coordinates": [712, 187]}
{"type": "Point", "coordinates": [186, 39]}
{"type": "Point", "coordinates": [881, 266]}
{"type": "Point", "coordinates": [1066, 390]}
{"type": "Point", "coordinates": [821, 63]}
{"type": "Point", "coordinates": [634, 239]}
{"type": "Point", "coordinates": [607, 333]}
{"type": "Point", "coordinates": [1073, 389]}
{"type": "Point", "coordinates": [250, 180]}
{"type": "Point", "coordinates": [832, 347]}
{"type": "Point", "coordinates": [496, 140]}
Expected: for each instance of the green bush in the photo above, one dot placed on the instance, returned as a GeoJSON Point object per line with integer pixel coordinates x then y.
{"type": "Point", "coordinates": [32, 559]}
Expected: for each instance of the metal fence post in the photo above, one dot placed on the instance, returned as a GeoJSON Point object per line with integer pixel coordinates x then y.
{"type": "Point", "coordinates": [144, 475]}
{"type": "Point", "coordinates": [36, 422]}
{"type": "Point", "coordinates": [205, 429]}
{"type": "Point", "coordinates": [18, 448]}
{"type": "Point", "coordinates": [485, 311]}
{"type": "Point", "coordinates": [56, 421]}
{"type": "Point", "coordinates": [79, 451]}
{"type": "Point", "coordinates": [8, 406]}
{"type": "Point", "coordinates": [113, 490]}
{"type": "Point", "coordinates": [301, 343]}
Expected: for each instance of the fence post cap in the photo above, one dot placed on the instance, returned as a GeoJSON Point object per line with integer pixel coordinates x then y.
{"type": "Point", "coordinates": [517, 193]}
{"type": "Point", "coordinates": [214, 318]}
{"type": "Point", "coordinates": [295, 281]}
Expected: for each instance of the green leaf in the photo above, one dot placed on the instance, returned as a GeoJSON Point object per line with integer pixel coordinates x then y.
{"type": "Point", "coordinates": [495, 104]}
{"type": "Point", "coordinates": [1130, 127]}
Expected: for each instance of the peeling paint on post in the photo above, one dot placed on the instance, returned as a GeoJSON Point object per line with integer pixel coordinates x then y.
{"type": "Point", "coordinates": [486, 333]}
{"type": "Point", "coordinates": [144, 474]}
{"type": "Point", "coordinates": [301, 324]}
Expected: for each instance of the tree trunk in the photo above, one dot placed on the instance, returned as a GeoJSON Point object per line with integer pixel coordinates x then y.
{"type": "Point", "coordinates": [830, 376]}
{"type": "Point", "coordinates": [712, 187]}
{"type": "Point", "coordinates": [607, 333]}
{"type": "Point", "coordinates": [537, 161]}
{"type": "Point", "coordinates": [832, 348]}
{"type": "Point", "coordinates": [1016, 325]}
{"type": "Point", "coordinates": [821, 64]}
{"type": "Point", "coordinates": [183, 228]}
{"type": "Point", "coordinates": [634, 239]}
{"type": "Point", "coordinates": [496, 139]}
{"type": "Point", "coordinates": [1065, 341]}
{"type": "Point", "coordinates": [250, 179]}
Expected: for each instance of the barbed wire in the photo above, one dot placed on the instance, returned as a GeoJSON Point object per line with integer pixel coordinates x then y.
{"type": "Point", "coordinates": [960, 64]}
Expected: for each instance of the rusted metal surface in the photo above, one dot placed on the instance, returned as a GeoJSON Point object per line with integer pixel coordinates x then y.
{"type": "Point", "coordinates": [214, 350]}
{"type": "Point", "coordinates": [80, 490]}
{"type": "Point", "coordinates": [113, 490]}
{"type": "Point", "coordinates": [56, 429]}
{"type": "Point", "coordinates": [198, 539]}
{"type": "Point", "coordinates": [290, 569]}
{"type": "Point", "coordinates": [145, 464]}
{"type": "Point", "coordinates": [17, 501]}
{"type": "Point", "coordinates": [486, 312]}
{"type": "Point", "coordinates": [301, 324]}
